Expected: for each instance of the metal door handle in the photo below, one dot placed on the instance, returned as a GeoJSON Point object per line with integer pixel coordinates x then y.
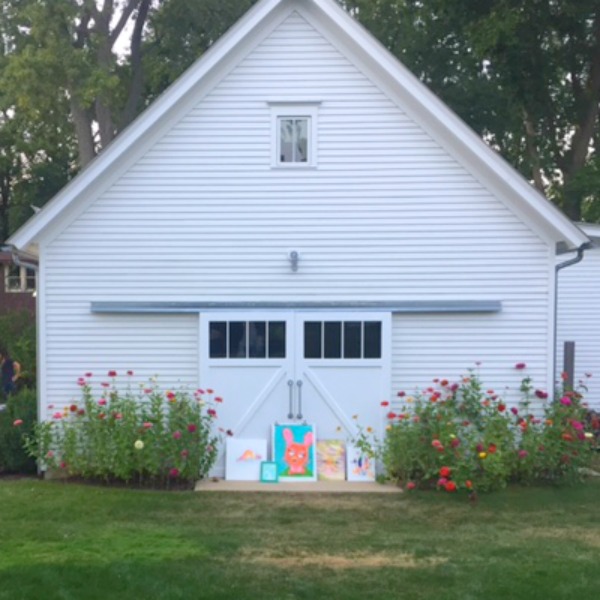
{"type": "Point", "coordinates": [299, 384]}
{"type": "Point", "coordinates": [291, 386]}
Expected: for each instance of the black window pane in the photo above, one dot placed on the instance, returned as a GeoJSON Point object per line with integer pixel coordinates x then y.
{"type": "Point", "coordinates": [237, 339]}
{"type": "Point", "coordinates": [218, 339]}
{"type": "Point", "coordinates": [276, 339]}
{"type": "Point", "coordinates": [352, 339]}
{"type": "Point", "coordinates": [312, 339]}
{"type": "Point", "coordinates": [257, 339]}
{"type": "Point", "coordinates": [333, 339]}
{"type": "Point", "coordinates": [372, 341]}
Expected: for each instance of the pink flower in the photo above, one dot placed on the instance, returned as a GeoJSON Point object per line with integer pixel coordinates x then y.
{"type": "Point", "coordinates": [523, 453]}
{"type": "Point", "coordinates": [112, 373]}
{"type": "Point", "coordinates": [102, 402]}
{"type": "Point", "coordinates": [171, 397]}
{"type": "Point", "coordinates": [209, 391]}
{"type": "Point", "coordinates": [147, 425]}
{"type": "Point", "coordinates": [130, 373]}
{"type": "Point", "coordinates": [209, 448]}
{"type": "Point", "coordinates": [192, 428]}
{"type": "Point", "coordinates": [211, 412]}
{"type": "Point", "coordinates": [49, 454]}
{"type": "Point", "coordinates": [442, 481]}
{"type": "Point", "coordinates": [401, 394]}
{"type": "Point", "coordinates": [118, 416]}
{"type": "Point", "coordinates": [177, 435]}
{"type": "Point", "coordinates": [520, 366]}
{"type": "Point", "coordinates": [174, 472]}
{"type": "Point", "coordinates": [541, 394]}
{"type": "Point", "coordinates": [578, 425]}
{"type": "Point", "coordinates": [411, 485]}
{"type": "Point", "coordinates": [81, 381]}
{"type": "Point", "coordinates": [218, 399]}
{"type": "Point", "coordinates": [185, 453]}
{"type": "Point", "coordinates": [104, 384]}
{"type": "Point", "coordinates": [147, 390]}
{"type": "Point", "coordinates": [455, 442]}
{"type": "Point", "coordinates": [57, 415]}
{"type": "Point", "coordinates": [17, 422]}
{"type": "Point", "coordinates": [81, 412]}
{"type": "Point", "coordinates": [566, 401]}
{"type": "Point", "coordinates": [88, 375]}
{"type": "Point", "coordinates": [200, 392]}
{"type": "Point", "coordinates": [63, 465]}
{"type": "Point", "coordinates": [514, 410]}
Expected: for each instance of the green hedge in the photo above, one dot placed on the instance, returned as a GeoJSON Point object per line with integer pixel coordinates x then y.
{"type": "Point", "coordinates": [22, 409]}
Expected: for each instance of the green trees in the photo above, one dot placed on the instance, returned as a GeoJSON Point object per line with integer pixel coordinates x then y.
{"type": "Point", "coordinates": [525, 74]}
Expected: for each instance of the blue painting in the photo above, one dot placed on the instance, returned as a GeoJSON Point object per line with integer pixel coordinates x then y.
{"type": "Point", "coordinates": [294, 452]}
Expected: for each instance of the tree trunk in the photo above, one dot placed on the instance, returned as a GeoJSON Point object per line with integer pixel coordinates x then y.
{"type": "Point", "coordinates": [83, 132]}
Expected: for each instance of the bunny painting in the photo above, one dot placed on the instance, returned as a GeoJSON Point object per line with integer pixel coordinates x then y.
{"type": "Point", "coordinates": [294, 452]}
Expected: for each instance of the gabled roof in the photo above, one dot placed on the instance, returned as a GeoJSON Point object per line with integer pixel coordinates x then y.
{"type": "Point", "coordinates": [362, 48]}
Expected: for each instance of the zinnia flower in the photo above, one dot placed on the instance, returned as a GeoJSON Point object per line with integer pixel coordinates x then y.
{"type": "Point", "coordinates": [138, 445]}
{"type": "Point", "coordinates": [192, 428]}
{"type": "Point", "coordinates": [112, 373]}
{"type": "Point", "coordinates": [523, 453]}
{"type": "Point", "coordinates": [411, 485]}
{"type": "Point", "coordinates": [17, 422]}
{"type": "Point", "coordinates": [483, 455]}
{"type": "Point", "coordinates": [566, 401]}
{"type": "Point", "coordinates": [541, 394]}
{"type": "Point", "coordinates": [520, 366]}
{"type": "Point", "coordinates": [450, 486]}
{"type": "Point", "coordinates": [174, 472]}
{"type": "Point", "coordinates": [445, 472]}
{"type": "Point", "coordinates": [177, 435]}
{"type": "Point", "coordinates": [102, 402]}
{"type": "Point", "coordinates": [147, 425]}
{"type": "Point", "coordinates": [384, 403]}
{"type": "Point", "coordinates": [211, 412]}
{"type": "Point", "coordinates": [218, 399]}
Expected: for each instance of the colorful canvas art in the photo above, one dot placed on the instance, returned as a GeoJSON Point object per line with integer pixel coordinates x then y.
{"type": "Point", "coordinates": [360, 467]}
{"type": "Point", "coordinates": [331, 460]}
{"type": "Point", "coordinates": [243, 459]}
{"type": "Point", "coordinates": [294, 452]}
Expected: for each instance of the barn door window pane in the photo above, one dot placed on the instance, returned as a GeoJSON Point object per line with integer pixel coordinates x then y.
{"type": "Point", "coordinates": [237, 339]}
{"type": "Point", "coordinates": [257, 339]}
{"type": "Point", "coordinates": [352, 339]}
{"type": "Point", "coordinates": [372, 339]}
{"type": "Point", "coordinates": [218, 339]}
{"type": "Point", "coordinates": [312, 339]}
{"type": "Point", "coordinates": [276, 339]}
{"type": "Point", "coordinates": [333, 339]}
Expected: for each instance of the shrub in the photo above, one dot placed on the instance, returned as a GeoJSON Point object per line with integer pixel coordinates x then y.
{"type": "Point", "coordinates": [150, 438]}
{"type": "Point", "coordinates": [17, 332]}
{"type": "Point", "coordinates": [17, 421]}
{"type": "Point", "coordinates": [477, 442]}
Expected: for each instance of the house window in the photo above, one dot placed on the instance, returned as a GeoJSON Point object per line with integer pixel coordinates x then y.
{"type": "Point", "coordinates": [18, 279]}
{"type": "Point", "coordinates": [294, 131]}
{"type": "Point", "coordinates": [342, 339]}
{"type": "Point", "coordinates": [247, 339]}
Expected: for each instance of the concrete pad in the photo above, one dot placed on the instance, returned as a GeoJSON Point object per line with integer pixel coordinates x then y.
{"type": "Point", "coordinates": [321, 487]}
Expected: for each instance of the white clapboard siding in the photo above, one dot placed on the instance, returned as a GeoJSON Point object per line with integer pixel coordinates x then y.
{"type": "Point", "coordinates": [579, 320]}
{"type": "Point", "coordinates": [387, 214]}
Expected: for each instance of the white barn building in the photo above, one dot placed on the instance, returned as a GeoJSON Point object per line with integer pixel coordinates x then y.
{"type": "Point", "coordinates": [579, 317]}
{"type": "Point", "coordinates": [301, 225]}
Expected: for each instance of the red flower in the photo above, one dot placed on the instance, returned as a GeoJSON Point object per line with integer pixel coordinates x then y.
{"type": "Point", "coordinates": [541, 394]}
{"type": "Point", "coordinates": [411, 485]}
{"type": "Point", "coordinates": [492, 448]}
{"type": "Point", "coordinates": [81, 412]}
{"type": "Point", "coordinates": [501, 407]}
{"type": "Point", "coordinates": [147, 425]}
{"type": "Point", "coordinates": [211, 412]}
{"type": "Point", "coordinates": [520, 366]}
{"type": "Point", "coordinates": [455, 442]}
{"type": "Point", "coordinates": [445, 472]}
{"type": "Point", "coordinates": [88, 375]}
{"type": "Point", "coordinates": [104, 384]}
{"type": "Point", "coordinates": [444, 382]}
{"type": "Point", "coordinates": [17, 422]}
{"type": "Point", "coordinates": [450, 486]}
{"type": "Point", "coordinates": [174, 473]}
{"type": "Point", "coordinates": [209, 391]}
{"type": "Point", "coordinates": [112, 373]}
{"type": "Point", "coordinates": [192, 428]}
{"type": "Point", "coordinates": [469, 484]}
{"type": "Point", "coordinates": [185, 453]}
{"type": "Point", "coordinates": [564, 376]}
{"type": "Point", "coordinates": [567, 437]}
{"type": "Point", "coordinates": [73, 408]}
{"type": "Point", "coordinates": [401, 394]}
{"type": "Point", "coordinates": [385, 403]}
{"type": "Point", "coordinates": [102, 402]}
{"type": "Point", "coordinates": [177, 435]}
{"type": "Point", "coordinates": [130, 373]}
{"type": "Point", "coordinates": [171, 397]}
{"type": "Point", "coordinates": [218, 399]}
{"type": "Point", "coordinates": [391, 415]}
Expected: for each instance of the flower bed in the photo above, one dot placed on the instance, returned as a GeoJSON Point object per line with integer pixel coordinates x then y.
{"type": "Point", "coordinates": [461, 436]}
{"type": "Point", "coordinates": [151, 437]}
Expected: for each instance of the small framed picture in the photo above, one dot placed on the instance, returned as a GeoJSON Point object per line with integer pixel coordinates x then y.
{"type": "Point", "coordinates": [268, 472]}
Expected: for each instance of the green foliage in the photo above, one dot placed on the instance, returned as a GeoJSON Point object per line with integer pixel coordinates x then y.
{"type": "Point", "coordinates": [148, 437]}
{"type": "Point", "coordinates": [18, 335]}
{"type": "Point", "coordinates": [463, 434]}
{"type": "Point", "coordinates": [17, 421]}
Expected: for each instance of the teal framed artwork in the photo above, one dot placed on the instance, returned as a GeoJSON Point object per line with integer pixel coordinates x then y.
{"type": "Point", "coordinates": [294, 451]}
{"type": "Point", "coordinates": [268, 472]}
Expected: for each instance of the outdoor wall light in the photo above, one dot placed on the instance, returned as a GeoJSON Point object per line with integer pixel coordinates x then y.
{"type": "Point", "coordinates": [294, 258]}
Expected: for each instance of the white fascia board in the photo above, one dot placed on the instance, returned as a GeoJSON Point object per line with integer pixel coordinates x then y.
{"type": "Point", "coordinates": [118, 155]}
{"type": "Point", "coordinates": [447, 128]}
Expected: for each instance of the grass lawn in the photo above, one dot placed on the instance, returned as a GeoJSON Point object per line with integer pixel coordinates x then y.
{"type": "Point", "coordinates": [73, 541]}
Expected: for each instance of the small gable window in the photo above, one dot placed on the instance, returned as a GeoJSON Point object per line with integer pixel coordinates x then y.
{"type": "Point", "coordinates": [18, 279]}
{"type": "Point", "coordinates": [294, 135]}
